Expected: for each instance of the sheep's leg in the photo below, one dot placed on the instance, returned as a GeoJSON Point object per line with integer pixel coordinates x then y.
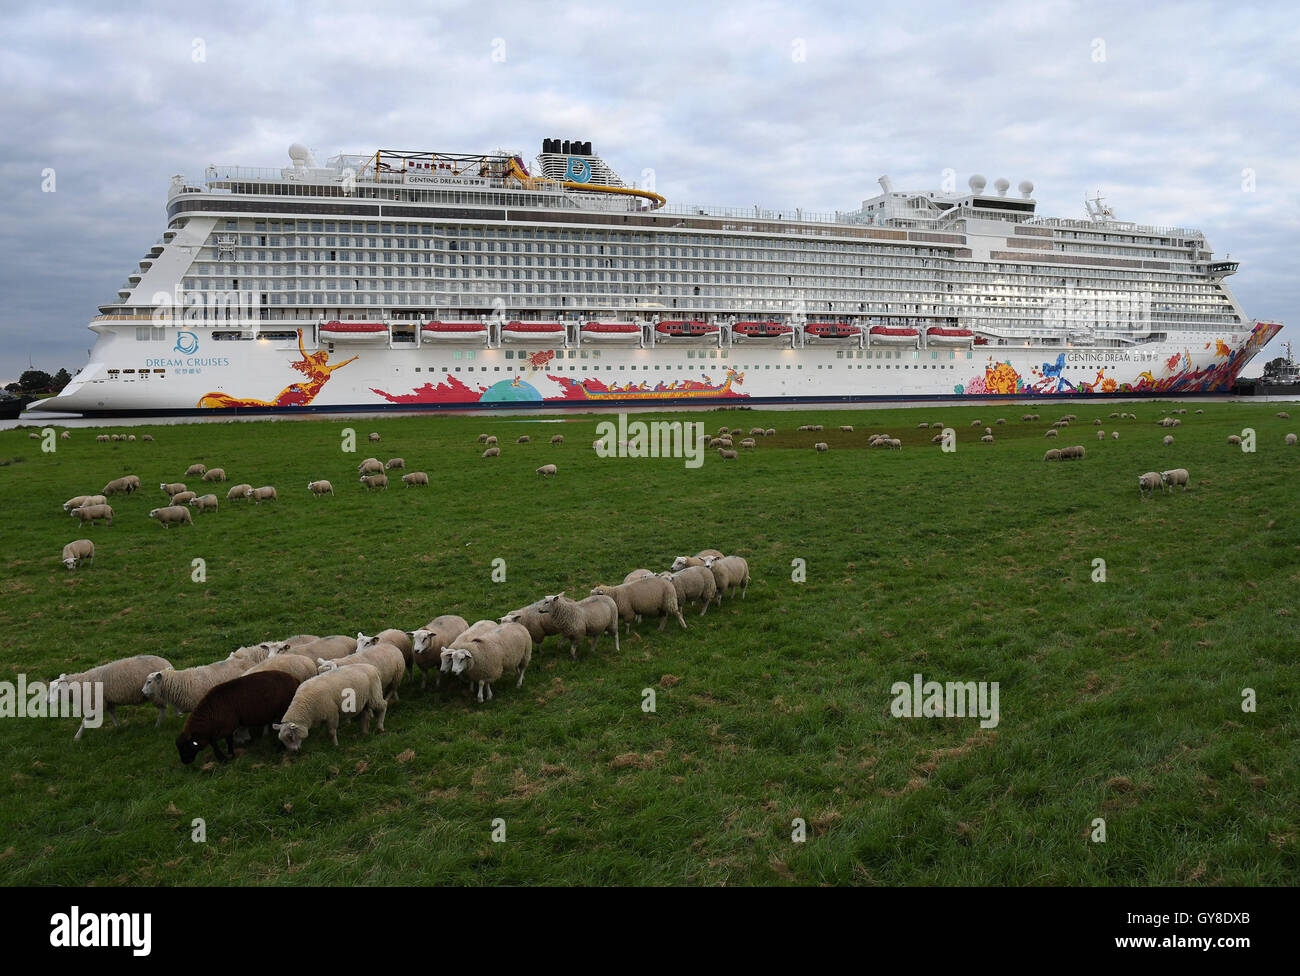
{"type": "Point", "coordinates": [480, 691]}
{"type": "Point", "coordinates": [594, 641]}
{"type": "Point", "coordinates": [520, 682]}
{"type": "Point", "coordinates": [162, 712]}
{"type": "Point", "coordinates": [745, 588]}
{"type": "Point", "coordinates": [704, 606]}
{"type": "Point", "coordinates": [216, 751]}
{"type": "Point", "coordinates": [616, 647]}
{"type": "Point", "coordinates": [112, 713]}
{"type": "Point", "coordinates": [573, 649]}
{"type": "Point", "coordinates": [663, 621]}
{"type": "Point", "coordinates": [333, 728]}
{"type": "Point", "coordinates": [680, 620]}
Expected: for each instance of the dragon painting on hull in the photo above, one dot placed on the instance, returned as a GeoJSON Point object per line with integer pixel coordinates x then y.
{"type": "Point", "coordinates": [293, 395]}
{"type": "Point", "coordinates": [453, 391]}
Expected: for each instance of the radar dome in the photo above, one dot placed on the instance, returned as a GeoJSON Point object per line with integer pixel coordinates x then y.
{"type": "Point", "coordinates": [977, 183]}
{"type": "Point", "coordinates": [1026, 189]}
{"type": "Point", "coordinates": [1003, 185]}
{"type": "Point", "coordinates": [301, 155]}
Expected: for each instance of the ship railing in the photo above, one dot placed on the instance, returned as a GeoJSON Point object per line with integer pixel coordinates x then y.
{"type": "Point", "coordinates": [1116, 225]}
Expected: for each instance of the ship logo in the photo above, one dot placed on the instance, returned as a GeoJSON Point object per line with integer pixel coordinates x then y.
{"type": "Point", "coordinates": [579, 170]}
{"type": "Point", "coordinates": [187, 343]}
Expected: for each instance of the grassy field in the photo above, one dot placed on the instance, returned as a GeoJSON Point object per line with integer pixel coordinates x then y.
{"type": "Point", "coordinates": [1119, 700]}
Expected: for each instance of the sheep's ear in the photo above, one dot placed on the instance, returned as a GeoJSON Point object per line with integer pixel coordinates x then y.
{"type": "Point", "coordinates": [276, 726]}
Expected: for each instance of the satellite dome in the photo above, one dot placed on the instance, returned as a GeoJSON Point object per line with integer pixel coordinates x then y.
{"type": "Point", "coordinates": [1003, 185]}
{"type": "Point", "coordinates": [977, 183]}
{"type": "Point", "coordinates": [1026, 189]}
{"type": "Point", "coordinates": [301, 155]}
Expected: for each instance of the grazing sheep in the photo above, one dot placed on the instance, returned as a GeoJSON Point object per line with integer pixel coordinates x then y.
{"type": "Point", "coordinates": [77, 552]}
{"type": "Point", "coordinates": [415, 478]}
{"type": "Point", "coordinates": [705, 553]}
{"type": "Point", "coordinates": [637, 574]}
{"type": "Point", "coordinates": [490, 442]}
{"type": "Point", "coordinates": [1290, 440]}
{"type": "Point", "coordinates": [331, 647]}
{"type": "Point", "coordinates": [172, 514]}
{"type": "Point", "coordinates": [215, 474]}
{"type": "Point", "coordinates": [93, 513]}
{"type": "Point", "coordinates": [1149, 482]}
{"type": "Point", "coordinates": [76, 501]}
{"type": "Point", "coordinates": [394, 463]}
{"type": "Point", "coordinates": [1052, 455]}
{"type": "Point", "coordinates": [171, 488]}
{"type": "Point", "coordinates": [651, 595]}
{"type": "Point", "coordinates": [821, 447]}
{"type": "Point", "coordinates": [242, 491]}
{"type": "Point", "coordinates": [264, 494]}
{"type": "Point", "coordinates": [184, 497]}
{"type": "Point", "coordinates": [1114, 416]}
{"type": "Point", "coordinates": [523, 439]}
{"type": "Point", "coordinates": [714, 442]}
{"type": "Point", "coordinates": [988, 430]}
{"type": "Point", "coordinates": [387, 660]}
{"type": "Point", "coordinates": [1101, 435]}
{"type": "Point", "coordinates": [321, 700]}
{"type": "Point", "coordinates": [987, 438]}
{"type": "Point", "coordinates": [1178, 476]}
{"type": "Point", "coordinates": [727, 455]}
{"type": "Point", "coordinates": [1049, 433]}
{"type": "Point", "coordinates": [729, 573]}
{"type": "Point", "coordinates": [557, 439]}
{"type": "Point", "coordinates": [429, 640]}
{"type": "Point", "coordinates": [491, 654]}
{"type": "Point", "coordinates": [252, 653]}
{"type": "Point", "coordinates": [119, 486]}
{"type": "Point", "coordinates": [184, 689]}
{"type": "Point", "coordinates": [65, 436]}
{"type": "Point", "coordinates": [372, 437]}
{"type": "Point", "coordinates": [122, 682]}
{"type": "Point", "coordinates": [576, 619]}
{"type": "Point", "coordinates": [1075, 453]}
{"type": "Point", "coordinates": [1000, 420]}
{"type": "Point", "coordinates": [248, 701]}
{"type": "Point", "coordinates": [1283, 415]}
{"type": "Point", "coordinates": [374, 481]}
{"type": "Point", "coordinates": [1200, 411]}
{"type": "Point", "coordinates": [976, 423]}
{"type": "Point", "coordinates": [146, 437]}
{"type": "Point", "coordinates": [923, 426]}
{"type": "Point", "coordinates": [1167, 439]}
{"type": "Point", "coordinates": [1025, 417]}
{"type": "Point", "coordinates": [491, 452]}
{"type": "Point", "coordinates": [398, 638]}
{"type": "Point", "coordinates": [694, 583]}
{"type": "Point", "coordinates": [749, 443]}
{"type": "Point", "coordinates": [320, 487]}
{"type": "Point", "coordinates": [204, 503]}
{"type": "Point", "coordinates": [547, 471]}
{"type": "Point", "coordinates": [482, 438]}
{"type": "Point", "coordinates": [1096, 423]}
{"type": "Point", "coordinates": [102, 438]}
{"type": "Point", "coordinates": [94, 500]}
{"type": "Point", "coordinates": [1234, 439]}
{"type": "Point", "coordinates": [727, 443]}
{"type": "Point", "coordinates": [846, 428]}
{"type": "Point", "coordinates": [193, 469]}
{"type": "Point", "coordinates": [770, 432]}
{"type": "Point", "coordinates": [1114, 435]}
{"type": "Point", "coordinates": [370, 466]}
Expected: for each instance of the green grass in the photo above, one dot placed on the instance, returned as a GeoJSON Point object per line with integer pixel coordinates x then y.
{"type": "Point", "coordinates": [1119, 700]}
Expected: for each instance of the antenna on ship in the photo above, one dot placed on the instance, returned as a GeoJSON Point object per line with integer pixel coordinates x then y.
{"type": "Point", "coordinates": [1097, 209]}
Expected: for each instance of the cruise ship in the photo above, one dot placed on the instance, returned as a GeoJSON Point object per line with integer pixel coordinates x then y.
{"type": "Point", "coordinates": [413, 280]}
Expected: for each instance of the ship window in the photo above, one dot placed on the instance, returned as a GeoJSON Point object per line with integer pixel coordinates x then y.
{"type": "Point", "coordinates": [458, 369]}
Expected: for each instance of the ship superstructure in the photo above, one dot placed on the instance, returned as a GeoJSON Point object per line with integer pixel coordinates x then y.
{"type": "Point", "coordinates": [408, 279]}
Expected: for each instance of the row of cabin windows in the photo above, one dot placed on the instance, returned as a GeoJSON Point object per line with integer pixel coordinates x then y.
{"type": "Point", "coordinates": [583, 369]}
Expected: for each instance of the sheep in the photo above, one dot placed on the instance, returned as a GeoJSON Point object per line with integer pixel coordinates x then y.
{"type": "Point", "coordinates": [652, 595]}
{"type": "Point", "coordinates": [936, 439]}
{"type": "Point", "coordinates": [1178, 476]}
{"type": "Point", "coordinates": [299, 667]}
{"type": "Point", "coordinates": [193, 469]}
{"type": "Point", "coordinates": [893, 443]}
{"type": "Point", "coordinates": [729, 572]}
{"type": "Point", "coordinates": [372, 437]}
{"type": "Point", "coordinates": [320, 488]}
{"type": "Point", "coordinates": [429, 640]}
{"type": "Point", "coordinates": [66, 435]}
{"type": "Point", "coordinates": [120, 682]}
{"type": "Point", "coordinates": [1049, 433]}
{"type": "Point", "coordinates": [482, 438]}
{"type": "Point", "coordinates": [415, 478]}
{"type": "Point", "coordinates": [184, 689]}
{"type": "Point", "coordinates": [491, 452]}
{"type": "Point", "coordinates": [117, 486]}
{"type": "Point", "coordinates": [1200, 411]}
{"type": "Point", "coordinates": [170, 488]}
{"type": "Point", "coordinates": [204, 503]}
{"type": "Point", "coordinates": [252, 653]}
{"type": "Point", "coordinates": [461, 642]}
{"type": "Point", "coordinates": [214, 474]}
{"type": "Point", "coordinates": [1025, 417]}
{"type": "Point", "coordinates": [492, 653]}
{"type": "Point", "coordinates": [92, 513]}
{"type": "Point", "coordinates": [988, 430]}
{"type": "Point", "coordinates": [398, 638]}
{"type": "Point", "coordinates": [1167, 439]}
{"type": "Point", "coordinates": [490, 442]}
{"type": "Point", "coordinates": [370, 466]}
{"type": "Point", "coordinates": [1096, 423]}
{"type": "Point", "coordinates": [547, 471]}
{"type": "Point", "coordinates": [172, 513]}
{"type": "Point", "coordinates": [298, 640]}
{"type": "Point", "coordinates": [727, 455]}
{"type": "Point", "coordinates": [726, 442]}
{"type": "Point", "coordinates": [92, 500]}
{"type": "Point", "coordinates": [1290, 440]}
{"type": "Point", "coordinates": [146, 437]}
{"type": "Point", "coordinates": [264, 494]}
{"type": "Point", "coordinates": [77, 552]}
{"type": "Point", "coordinates": [1114, 416]}
{"type": "Point", "coordinates": [1000, 420]}
{"type": "Point", "coordinates": [1149, 482]}
{"type": "Point", "coordinates": [735, 431]}
{"type": "Point", "coordinates": [1234, 439]}
{"type": "Point", "coordinates": [576, 619]}
{"type": "Point", "coordinates": [1101, 435]}
{"type": "Point", "coordinates": [102, 438]}
{"type": "Point", "coordinates": [694, 583]}
{"type": "Point", "coordinates": [705, 553]}
{"type": "Point", "coordinates": [393, 463]}
{"type": "Point", "coordinates": [184, 497]}
{"type": "Point", "coordinates": [334, 646]}
{"type": "Point", "coordinates": [923, 426]}
{"type": "Point", "coordinates": [987, 438]}
{"type": "Point", "coordinates": [240, 491]}
{"type": "Point", "coordinates": [133, 480]}
{"type": "Point", "coordinates": [1114, 435]}
{"type": "Point", "coordinates": [756, 432]}
{"type": "Point", "coordinates": [322, 699]}
{"type": "Point", "coordinates": [1052, 455]}
{"type": "Point", "coordinates": [249, 701]}
{"type": "Point", "coordinates": [821, 447]}
{"type": "Point", "coordinates": [846, 428]}
{"type": "Point", "coordinates": [749, 444]}
{"type": "Point", "coordinates": [1076, 452]}
{"type": "Point", "coordinates": [374, 481]}
{"type": "Point", "coordinates": [637, 574]}
{"type": "Point", "coordinates": [523, 439]}
{"type": "Point", "coordinates": [770, 432]}
{"type": "Point", "coordinates": [714, 443]}
{"type": "Point", "coordinates": [1283, 415]}
{"type": "Point", "coordinates": [386, 658]}
{"type": "Point", "coordinates": [76, 501]}
{"type": "Point", "coordinates": [681, 562]}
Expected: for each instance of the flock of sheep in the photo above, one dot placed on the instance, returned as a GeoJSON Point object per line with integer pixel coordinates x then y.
{"type": "Point", "coordinates": [306, 681]}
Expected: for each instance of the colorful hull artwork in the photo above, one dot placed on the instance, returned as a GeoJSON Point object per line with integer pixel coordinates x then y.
{"type": "Point", "coordinates": [1177, 373]}
{"type": "Point", "coordinates": [293, 395]}
{"type": "Point", "coordinates": [454, 391]}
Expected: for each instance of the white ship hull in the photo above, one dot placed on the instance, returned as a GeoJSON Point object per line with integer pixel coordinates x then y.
{"type": "Point", "coordinates": [187, 371]}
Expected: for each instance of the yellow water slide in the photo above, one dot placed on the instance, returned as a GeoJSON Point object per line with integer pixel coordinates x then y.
{"type": "Point", "coordinates": [534, 182]}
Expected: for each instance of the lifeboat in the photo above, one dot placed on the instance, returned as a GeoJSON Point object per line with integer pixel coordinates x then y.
{"type": "Point", "coordinates": [981, 341]}
{"type": "Point", "coordinates": [938, 336]}
{"type": "Point", "coordinates": [453, 332]}
{"type": "Point", "coordinates": [535, 332]}
{"type": "Point", "coordinates": [889, 336]}
{"type": "Point", "coordinates": [761, 331]}
{"type": "Point", "coordinates": [617, 332]}
{"type": "Point", "coordinates": [691, 330]}
{"type": "Point", "coordinates": [831, 331]}
{"type": "Point", "coordinates": [354, 332]}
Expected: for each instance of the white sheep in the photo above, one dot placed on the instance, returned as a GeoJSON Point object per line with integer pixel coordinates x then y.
{"type": "Point", "coordinates": [1114, 435]}
{"type": "Point", "coordinates": [1290, 440]}
{"type": "Point", "coordinates": [357, 688]}
{"type": "Point", "coordinates": [394, 463]}
{"type": "Point", "coordinates": [204, 503]}
{"type": "Point", "coordinates": [730, 573]}
{"type": "Point", "coordinates": [184, 497]}
{"type": "Point", "coordinates": [331, 647]}
{"type": "Point", "coordinates": [193, 469]}
{"type": "Point", "coordinates": [987, 438]}
{"type": "Point", "coordinates": [1101, 435]}
{"type": "Point", "coordinates": [1049, 433]}
{"type": "Point", "coordinates": [728, 454]}
{"type": "Point", "coordinates": [387, 659]}
{"type": "Point", "coordinates": [77, 552]}
{"type": "Point", "coordinates": [214, 474]}
{"type": "Point", "coordinates": [1234, 439]}
{"type": "Point", "coordinates": [398, 638]}
{"type": "Point", "coordinates": [169, 514]}
{"type": "Point", "coordinates": [320, 488]}
{"type": "Point", "coordinates": [372, 437]}
{"type": "Point", "coordinates": [557, 439]}
{"type": "Point", "coordinates": [415, 478]}
{"type": "Point", "coordinates": [486, 657]}
{"type": "Point", "coordinates": [239, 491]}
{"type": "Point", "coordinates": [184, 689]}
{"type": "Point", "coordinates": [650, 595]}
{"type": "Point", "coordinates": [821, 447]}
{"type": "Point", "coordinates": [547, 471]}
{"type": "Point", "coordinates": [1149, 482]}
{"type": "Point", "coordinates": [462, 641]}
{"type": "Point", "coordinates": [93, 513]}
{"type": "Point", "coordinates": [427, 642]}
{"type": "Point", "coordinates": [576, 619]}
{"type": "Point", "coordinates": [374, 481]}
{"type": "Point", "coordinates": [1167, 439]}
{"type": "Point", "coordinates": [122, 682]}
{"type": "Point", "coordinates": [170, 488]}
{"type": "Point", "coordinates": [76, 501]}
{"type": "Point", "coordinates": [1178, 476]}
{"type": "Point", "coordinates": [264, 494]}
{"type": "Point", "coordinates": [490, 441]}
{"type": "Point", "coordinates": [300, 667]}
{"type": "Point", "coordinates": [370, 466]}
{"type": "Point", "coordinates": [694, 583]}
{"type": "Point", "coordinates": [492, 452]}
{"type": "Point", "coordinates": [1053, 454]}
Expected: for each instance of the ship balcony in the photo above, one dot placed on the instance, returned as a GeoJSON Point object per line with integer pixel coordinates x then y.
{"type": "Point", "coordinates": [146, 264]}
{"type": "Point", "coordinates": [156, 251]}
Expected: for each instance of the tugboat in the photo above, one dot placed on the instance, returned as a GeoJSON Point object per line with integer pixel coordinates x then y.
{"type": "Point", "coordinates": [11, 406]}
{"type": "Point", "coordinates": [1281, 378]}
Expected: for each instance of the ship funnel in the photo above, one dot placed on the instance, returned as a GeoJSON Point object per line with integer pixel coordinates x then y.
{"type": "Point", "coordinates": [1003, 185]}
{"type": "Point", "coordinates": [887, 184]}
{"type": "Point", "coordinates": [977, 184]}
{"type": "Point", "coordinates": [1026, 189]}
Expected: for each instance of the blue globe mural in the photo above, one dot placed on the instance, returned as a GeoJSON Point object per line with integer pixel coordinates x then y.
{"type": "Point", "coordinates": [505, 391]}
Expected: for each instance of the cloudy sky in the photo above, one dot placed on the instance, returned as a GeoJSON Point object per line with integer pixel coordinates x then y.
{"type": "Point", "coordinates": [1180, 113]}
